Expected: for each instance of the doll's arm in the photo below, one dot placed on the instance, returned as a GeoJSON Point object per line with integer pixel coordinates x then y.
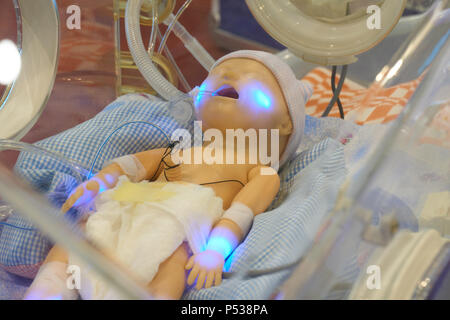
{"type": "Point", "coordinates": [147, 163]}
{"type": "Point", "coordinates": [229, 232]}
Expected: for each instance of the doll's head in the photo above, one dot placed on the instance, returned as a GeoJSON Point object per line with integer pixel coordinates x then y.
{"type": "Point", "coordinates": [254, 89]}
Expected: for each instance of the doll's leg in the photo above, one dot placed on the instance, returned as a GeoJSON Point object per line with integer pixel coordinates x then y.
{"type": "Point", "coordinates": [50, 282]}
{"type": "Point", "coordinates": [170, 280]}
{"type": "Point", "coordinates": [57, 253]}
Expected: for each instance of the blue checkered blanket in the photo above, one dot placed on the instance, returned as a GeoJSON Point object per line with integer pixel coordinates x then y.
{"type": "Point", "coordinates": [280, 236]}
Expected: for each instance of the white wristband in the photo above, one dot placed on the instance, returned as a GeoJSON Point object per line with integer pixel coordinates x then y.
{"type": "Point", "coordinates": [240, 214]}
{"type": "Point", "coordinates": [51, 283]}
{"type": "Point", "coordinates": [132, 167]}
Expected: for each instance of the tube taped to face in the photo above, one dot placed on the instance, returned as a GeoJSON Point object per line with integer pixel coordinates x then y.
{"type": "Point", "coordinates": [182, 108]}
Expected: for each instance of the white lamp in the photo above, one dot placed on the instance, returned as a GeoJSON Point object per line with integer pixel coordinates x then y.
{"type": "Point", "coordinates": [29, 68]}
{"type": "Point", "coordinates": [327, 32]}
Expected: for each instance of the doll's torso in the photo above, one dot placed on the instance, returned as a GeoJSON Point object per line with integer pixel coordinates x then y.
{"type": "Point", "coordinates": [225, 179]}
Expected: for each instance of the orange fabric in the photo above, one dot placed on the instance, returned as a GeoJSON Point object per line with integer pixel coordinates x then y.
{"type": "Point", "coordinates": [438, 131]}
{"type": "Point", "coordinates": [363, 105]}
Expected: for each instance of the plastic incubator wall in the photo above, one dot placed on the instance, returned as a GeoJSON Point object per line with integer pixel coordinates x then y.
{"type": "Point", "coordinates": [398, 181]}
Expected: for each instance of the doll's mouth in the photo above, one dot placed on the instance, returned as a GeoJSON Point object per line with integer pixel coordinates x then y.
{"type": "Point", "coordinates": [227, 91]}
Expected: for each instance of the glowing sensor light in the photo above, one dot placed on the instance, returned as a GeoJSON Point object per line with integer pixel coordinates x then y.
{"type": "Point", "coordinates": [10, 62]}
{"type": "Point", "coordinates": [262, 99]}
{"type": "Point", "coordinates": [258, 95]}
{"type": "Point", "coordinates": [221, 245]}
{"type": "Point", "coordinates": [200, 94]}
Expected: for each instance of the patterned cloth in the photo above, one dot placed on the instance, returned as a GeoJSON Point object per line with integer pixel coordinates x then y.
{"type": "Point", "coordinates": [281, 236]}
{"type": "Point", "coordinates": [438, 131]}
{"type": "Point", "coordinates": [22, 251]}
{"type": "Point", "coordinates": [305, 195]}
{"type": "Point", "coordinates": [361, 105]}
{"type": "Point", "coordinates": [12, 287]}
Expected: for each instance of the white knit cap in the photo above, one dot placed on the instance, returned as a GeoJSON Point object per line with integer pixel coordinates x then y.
{"type": "Point", "coordinates": [296, 93]}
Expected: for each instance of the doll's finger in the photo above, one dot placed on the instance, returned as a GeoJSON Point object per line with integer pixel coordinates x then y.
{"type": "Point", "coordinates": [218, 278]}
{"type": "Point", "coordinates": [209, 279]}
{"type": "Point", "coordinates": [193, 274]}
{"type": "Point", "coordinates": [72, 199]}
{"type": "Point", "coordinates": [110, 180]}
{"type": "Point", "coordinates": [190, 263]}
{"type": "Point", "coordinates": [201, 280]}
{"type": "Point", "coordinates": [66, 206]}
{"type": "Point", "coordinates": [93, 185]}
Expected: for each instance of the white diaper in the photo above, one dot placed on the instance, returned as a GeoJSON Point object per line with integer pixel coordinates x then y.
{"type": "Point", "coordinates": [143, 229]}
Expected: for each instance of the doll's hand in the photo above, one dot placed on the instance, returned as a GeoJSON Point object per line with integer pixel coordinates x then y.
{"type": "Point", "coordinates": [88, 190]}
{"type": "Point", "coordinates": [206, 265]}
{"type": "Point", "coordinates": [81, 195]}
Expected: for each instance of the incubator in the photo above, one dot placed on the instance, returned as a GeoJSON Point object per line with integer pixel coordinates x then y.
{"type": "Point", "coordinates": [363, 210]}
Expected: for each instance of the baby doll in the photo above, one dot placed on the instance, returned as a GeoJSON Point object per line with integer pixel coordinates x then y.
{"type": "Point", "coordinates": [160, 216]}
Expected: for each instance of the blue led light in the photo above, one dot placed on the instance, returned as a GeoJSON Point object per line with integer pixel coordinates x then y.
{"type": "Point", "coordinates": [228, 262]}
{"type": "Point", "coordinates": [40, 296]}
{"type": "Point", "coordinates": [262, 99]}
{"type": "Point", "coordinates": [257, 95]}
{"type": "Point", "coordinates": [221, 245]}
{"type": "Point", "coordinates": [109, 178]}
{"type": "Point", "coordinates": [200, 94]}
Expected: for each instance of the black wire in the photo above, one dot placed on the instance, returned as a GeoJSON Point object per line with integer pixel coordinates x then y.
{"type": "Point", "coordinates": [222, 181]}
{"type": "Point", "coordinates": [163, 160]}
{"type": "Point", "coordinates": [337, 92]}
{"type": "Point", "coordinates": [333, 87]}
{"type": "Point", "coordinates": [208, 183]}
{"type": "Point", "coordinates": [165, 154]}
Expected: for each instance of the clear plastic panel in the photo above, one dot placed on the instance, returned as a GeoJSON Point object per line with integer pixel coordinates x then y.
{"type": "Point", "coordinates": [401, 173]}
{"type": "Point", "coordinates": [63, 229]}
{"type": "Point", "coordinates": [405, 179]}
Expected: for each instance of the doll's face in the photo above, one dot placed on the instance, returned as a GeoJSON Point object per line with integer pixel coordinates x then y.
{"type": "Point", "coordinates": [242, 94]}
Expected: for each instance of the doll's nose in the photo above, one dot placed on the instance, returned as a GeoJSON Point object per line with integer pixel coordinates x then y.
{"type": "Point", "coordinates": [227, 75]}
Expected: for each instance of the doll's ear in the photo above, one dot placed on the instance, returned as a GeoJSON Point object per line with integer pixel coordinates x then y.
{"type": "Point", "coordinates": [285, 127]}
{"type": "Point", "coordinates": [307, 89]}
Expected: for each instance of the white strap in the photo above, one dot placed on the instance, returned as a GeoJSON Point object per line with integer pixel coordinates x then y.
{"type": "Point", "coordinates": [240, 214]}
{"type": "Point", "coordinates": [132, 167]}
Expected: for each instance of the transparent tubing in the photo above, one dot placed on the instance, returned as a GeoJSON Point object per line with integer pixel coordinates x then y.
{"type": "Point", "coordinates": [190, 42]}
{"type": "Point", "coordinates": [45, 217]}
{"type": "Point", "coordinates": [182, 105]}
{"type": "Point", "coordinates": [153, 34]}
{"type": "Point", "coordinates": [78, 170]}
{"type": "Point", "coordinates": [50, 220]}
{"type": "Point", "coordinates": [169, 55]}
{"type": "Point", "coordinates": [156, 34]}
{"type": "Point", "coordinates": [169, 29]}
{"type": "Point", "coordinates": [133, 32]}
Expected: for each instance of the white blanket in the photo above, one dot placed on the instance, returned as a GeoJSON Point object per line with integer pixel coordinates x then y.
{"type": "Point", "coordinates": [142, 234]}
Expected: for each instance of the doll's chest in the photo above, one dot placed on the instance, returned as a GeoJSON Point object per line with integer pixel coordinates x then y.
{"type": "Point", "coordinates": [225, 179]}
{"type": "Point", "coordinates": [203, 173]}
